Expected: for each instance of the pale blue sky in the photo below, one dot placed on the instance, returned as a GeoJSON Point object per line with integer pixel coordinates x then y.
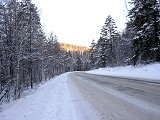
{"type": "Point", "coordinates": [79, 21]}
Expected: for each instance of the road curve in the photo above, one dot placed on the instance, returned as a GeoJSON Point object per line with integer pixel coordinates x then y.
{"type": "Point", "coordinates": [120, 98]}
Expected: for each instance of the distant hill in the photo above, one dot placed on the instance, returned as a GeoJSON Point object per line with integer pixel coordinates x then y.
{"type": "Point", "coordinates": [71, 47]}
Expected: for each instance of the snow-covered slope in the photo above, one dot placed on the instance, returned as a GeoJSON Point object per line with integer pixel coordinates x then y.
{"type": "Point", "coordinates": [148, 72]}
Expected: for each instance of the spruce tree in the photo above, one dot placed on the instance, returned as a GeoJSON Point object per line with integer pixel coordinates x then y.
{"type": "Point", "coordinates": [108, 38]}
{"type": "Point", "coordinates": [145, 21]}
{"type": "Point", "coordinates": [92, 56]}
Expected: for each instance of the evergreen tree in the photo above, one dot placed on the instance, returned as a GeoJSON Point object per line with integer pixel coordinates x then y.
{"type": "Point", "coordinates": [102, 51]}
{"type": "Point", "coordinates": [79, 64]}
{"type": "Point", "coordinates": [92, 56]}
{"type": "Point", "coordinates": [145, 21]}
{"type": "Point", "coordinates": [108, 38]}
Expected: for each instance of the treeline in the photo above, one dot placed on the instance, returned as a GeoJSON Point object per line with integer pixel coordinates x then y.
{"type": "Point", "coordinates": [139, 43]}
{"type": "Point", "coordinates": [71, 47]}
{"type": "Point", "coordinates": [27, 55]}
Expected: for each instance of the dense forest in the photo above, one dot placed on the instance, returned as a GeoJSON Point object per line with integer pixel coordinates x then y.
{"type": "Point", "coordinates": [28, 56]}
{"type": "Point", "coordinates": [139, 43]}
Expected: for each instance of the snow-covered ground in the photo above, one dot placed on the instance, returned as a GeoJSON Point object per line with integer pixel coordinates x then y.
{"type": "Point", "coordinates": [148, 72]}
{"type": "Point", "coordinates": [57, 99]}
{"type": "Point", "coordinates": [60, 99]}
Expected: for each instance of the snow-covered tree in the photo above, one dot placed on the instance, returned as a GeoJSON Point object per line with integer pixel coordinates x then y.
{"type": "Point", "coordinates": [79, 64]}
{"type": "Point", "coordinates": [109, 35]}
{"type": "Point", "coordinates": [126, 51]}
{"type": "Point", "coordinates": [92, 53]}
{"type": "Point", "coordinates": [145, 21]}
{"type": "Point", "coordinates": [22, 44]}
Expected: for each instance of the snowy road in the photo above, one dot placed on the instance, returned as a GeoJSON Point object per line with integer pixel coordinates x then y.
{"type": "Point", "coordinates": [81, 96]}
{"type": "Point", "coordinates": [120, 99]}
{"type": "Point", "coordinates": [57, 99]}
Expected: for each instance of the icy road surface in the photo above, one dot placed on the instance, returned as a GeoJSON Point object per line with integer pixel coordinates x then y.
{"type": "Point", "coordinates": [82, 96]}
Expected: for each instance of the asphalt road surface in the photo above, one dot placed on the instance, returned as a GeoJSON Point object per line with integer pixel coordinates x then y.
{"type": "Point", "coordinates": [120, 98]}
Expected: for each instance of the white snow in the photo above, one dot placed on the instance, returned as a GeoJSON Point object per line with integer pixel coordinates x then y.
{"type": "Point", "coordinates": [57, 99]}
{"type": "Point", "coordinates": [148, 72]}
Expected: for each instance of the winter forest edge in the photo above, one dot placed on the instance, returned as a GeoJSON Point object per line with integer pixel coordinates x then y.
{"type": "Point", "coordinates": [29, 57]}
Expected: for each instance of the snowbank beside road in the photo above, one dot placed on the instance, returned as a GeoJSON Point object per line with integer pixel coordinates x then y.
{"type": "Point", "coordinates": [57, 99]}
{"type": "Point", "coordinates": [148, 72]}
